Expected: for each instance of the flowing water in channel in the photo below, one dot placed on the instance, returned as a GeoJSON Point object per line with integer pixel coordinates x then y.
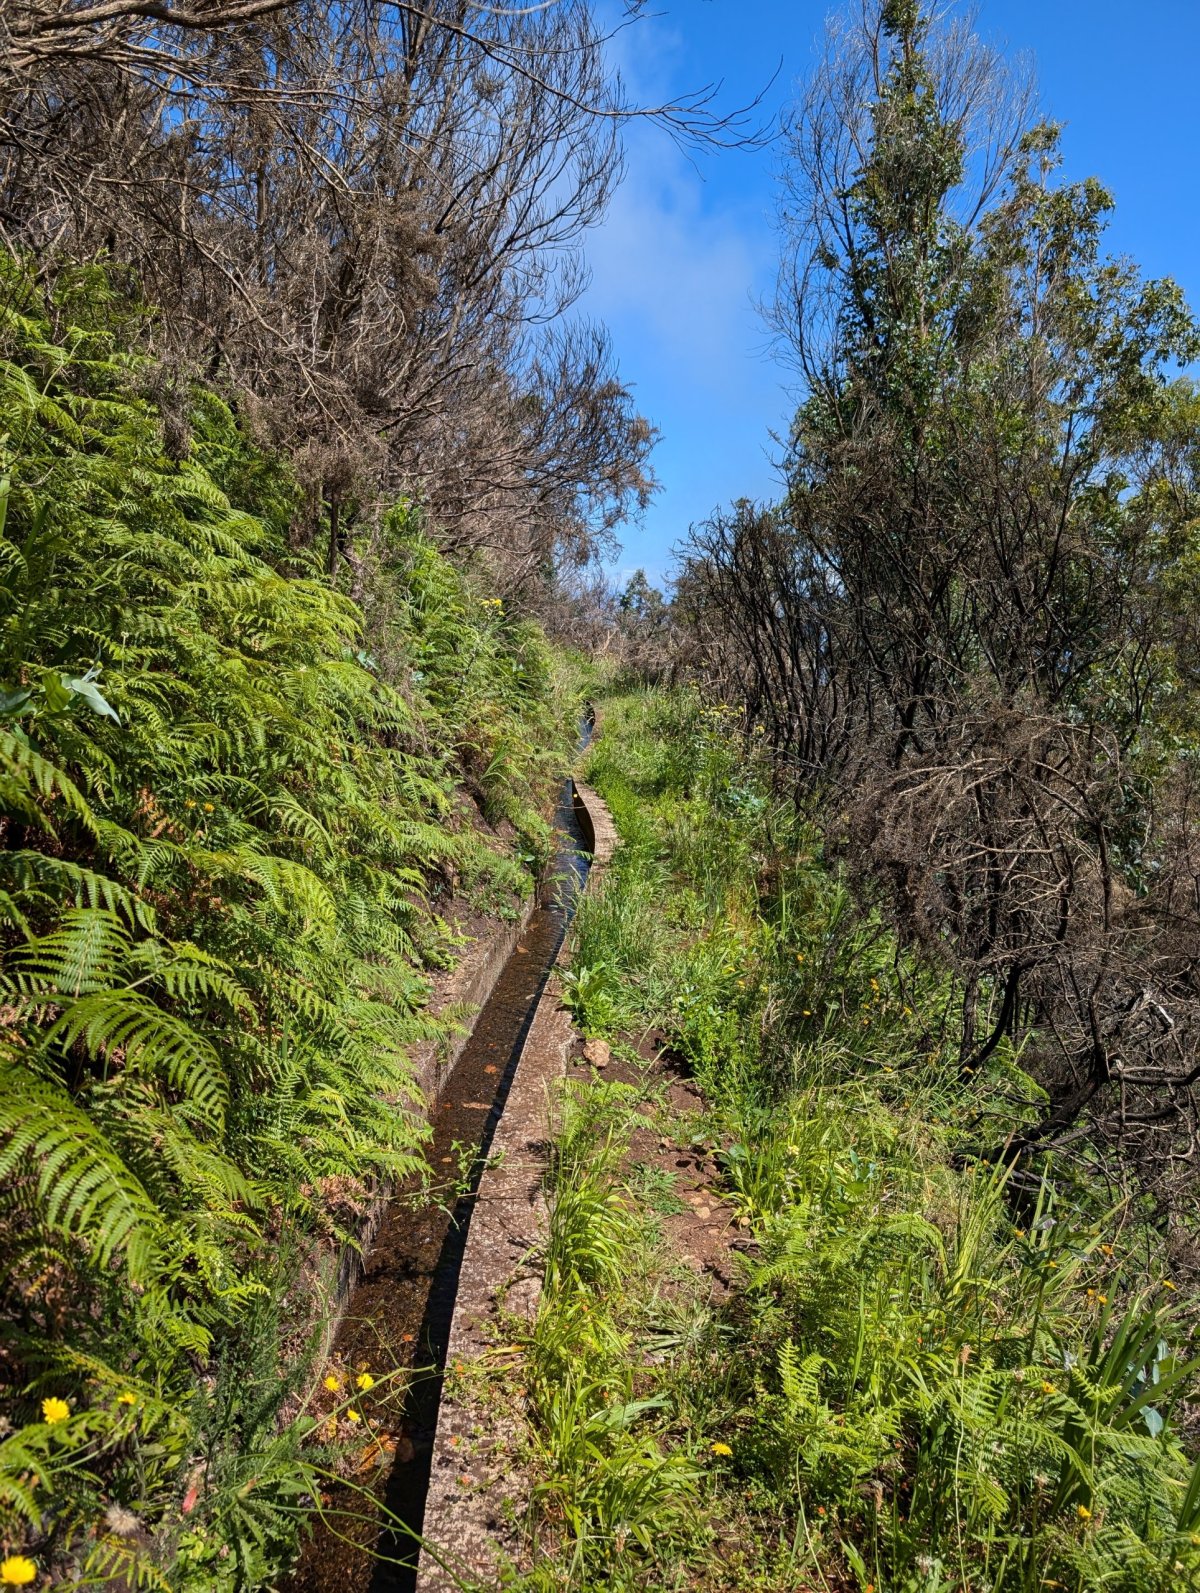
{"type": "Point", "coordinates": [399, 1312]}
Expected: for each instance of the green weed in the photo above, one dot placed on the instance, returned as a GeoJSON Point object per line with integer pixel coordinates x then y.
{"type": "Point", "coordinates": [928, 1377]}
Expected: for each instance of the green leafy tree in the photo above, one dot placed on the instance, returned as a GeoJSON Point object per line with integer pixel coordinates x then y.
{"type": "Point", "coordinates": [965, 627]}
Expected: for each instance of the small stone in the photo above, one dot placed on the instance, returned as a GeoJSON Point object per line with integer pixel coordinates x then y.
{"type": "Point", "coordinates": [598, 1053]}
{"type": "Point", "coordinates": [704, 1213]}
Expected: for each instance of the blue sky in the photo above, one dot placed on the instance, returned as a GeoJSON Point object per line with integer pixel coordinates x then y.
{"type": "Point", "coordinates": [689, 243]}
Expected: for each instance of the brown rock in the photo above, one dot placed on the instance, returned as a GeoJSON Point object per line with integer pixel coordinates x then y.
{"type": "Point", "coordinates": [598, 1053]}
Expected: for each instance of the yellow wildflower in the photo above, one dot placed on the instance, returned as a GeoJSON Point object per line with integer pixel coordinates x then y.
{"type": "Point", "coordinates": [365, 1381]}
{"type": "Point", "coordinates": [17, 1571]}
{"type": "Point", "coordinates": [1084, 1513]}
{"type": "Point", "coordinates": [333, 1383]}
{"type": "Point", "coordinates": [208, 807]}
{"type": "Point", "coordinates": [1106, 1250]}
{"type": "Point", "coordinates": [354, 1415]}
{"type": "Point", "coordinates": [720, 1449]}
{"type": "Point", "coordinates": [127, 1398]}
{"type": "Point", "coordinates": [1049, 1388]}
{"type": "Point", "coordinates": [55, 1410]}
{"type": "Point", "coordinates": [1103, 1299]}
{"type": "Point", "coordinates": [1167, 1284]}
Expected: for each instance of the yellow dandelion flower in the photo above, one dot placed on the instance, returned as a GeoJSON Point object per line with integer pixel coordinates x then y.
{"type": "Point", "coordinates": [1106, 1250]}
{"type": "Point", "coordinates": [354, 1415]}
{"type": "Point", "coordinates": [55, 1410]}
{"type": "Point", "coordinates": [1049, 1388]}
{"type": "Point", "coordinates": [1103, 1299]}
{"type": "Point", "coordinates": [1091, 1294]}
{"type": "Point", "coordinates": [208, 807]}
{"type": "Point", "coordinates": [17, 1571]}
{"type": "Point", "coordinates": [1084, 1513]}
{"type": "Point", "coordinates": [127, 1398]}
{"type": "Point", "coordinates": [720, 1449]}
{"type": "Point", "coordinates": [333, 1383]}
{"type": "Point", "coordinates": [365, 1381]}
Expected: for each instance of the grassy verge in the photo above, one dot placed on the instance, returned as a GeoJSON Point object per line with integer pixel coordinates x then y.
{"type": "Point", "coordinates": [923, 1379]}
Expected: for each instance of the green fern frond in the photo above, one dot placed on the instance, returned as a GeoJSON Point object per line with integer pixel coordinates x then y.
{"type": "Point", "coordinates": [85, 1190]}
{"type": "Point", "coordinates": [124, 1028]}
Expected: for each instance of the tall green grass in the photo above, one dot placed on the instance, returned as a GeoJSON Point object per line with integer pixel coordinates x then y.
{"type": "Point", "coordinates": [928, 1378]}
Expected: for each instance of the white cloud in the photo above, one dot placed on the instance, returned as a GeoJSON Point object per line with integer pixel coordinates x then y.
{"type": "Point", "coordinates": [683, 274]}
{"type": "Point", "coordinates": [677, 261]}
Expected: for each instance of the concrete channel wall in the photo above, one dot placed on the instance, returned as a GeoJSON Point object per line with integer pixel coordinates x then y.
{"type": "Point", "coordinates": [478, 1493]}
{"type": "Point", "coordinates": [470, 985]}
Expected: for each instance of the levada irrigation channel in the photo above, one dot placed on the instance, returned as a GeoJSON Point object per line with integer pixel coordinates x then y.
{"type": "Point", "coordinates": [399, 1313]}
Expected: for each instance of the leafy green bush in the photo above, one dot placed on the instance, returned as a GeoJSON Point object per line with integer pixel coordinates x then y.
{"type": "Point", "coordinates": [221, 834]}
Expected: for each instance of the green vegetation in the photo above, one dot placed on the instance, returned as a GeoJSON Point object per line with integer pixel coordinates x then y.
{"type": "Point", "coordinates": [907, 888]}
{"type": "Point", "coordinates": [226, 840]}
{"type": "Point", "coordinates": [927, 1375]}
